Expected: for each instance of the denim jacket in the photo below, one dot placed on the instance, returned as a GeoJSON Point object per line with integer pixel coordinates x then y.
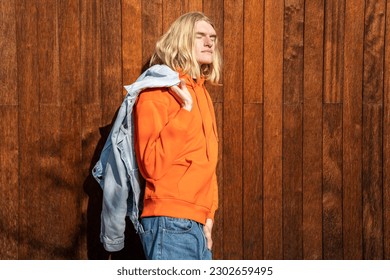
{"type": "Point", "coordinates": [117, 170]}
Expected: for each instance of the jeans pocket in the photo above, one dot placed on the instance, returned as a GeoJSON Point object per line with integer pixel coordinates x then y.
{"type": "Point", "coordinates": [178, 225]}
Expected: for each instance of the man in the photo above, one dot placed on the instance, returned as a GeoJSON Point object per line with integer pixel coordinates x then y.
{"type": "Point", "coordinates": [176, 144]}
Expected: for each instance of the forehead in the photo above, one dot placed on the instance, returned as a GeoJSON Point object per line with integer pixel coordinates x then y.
{"type": "Point", "coordinates": [204, 27]}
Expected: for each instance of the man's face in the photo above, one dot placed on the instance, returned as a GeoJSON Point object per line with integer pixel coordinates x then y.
{"type": "Point", "coordinates": [205, 37]}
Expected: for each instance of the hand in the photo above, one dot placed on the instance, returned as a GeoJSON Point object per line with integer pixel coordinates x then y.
{"type": "Point", "coordinates": [207, 229]}
{"type": "Point", "coordinates": [182, 93]}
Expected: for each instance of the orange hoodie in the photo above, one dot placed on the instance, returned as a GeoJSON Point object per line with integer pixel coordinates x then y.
{"type": "Point", "coordinates": [177, 153]}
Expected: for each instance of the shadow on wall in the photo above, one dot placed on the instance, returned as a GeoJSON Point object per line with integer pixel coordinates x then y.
{"type": "Point", "coordinates": [133, 247]}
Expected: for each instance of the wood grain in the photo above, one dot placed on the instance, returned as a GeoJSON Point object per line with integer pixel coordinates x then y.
{"type": "Point", "coordinates": [272, 156]}
{"type": "Point", "coordinates": [292, 182]}
{"type": "Point", "coordinates": [352, 131]}
{"type": "Point", "coordinates": [9, 183]}
{"type": "Point", "coordinates": [8, 66]}
{"type": "Point", "coordinates": [374, 40]}
{"type": "Point", "coordinates": [372, 182]}
{"type": "Point", "coordinates": [293, 51]}
{"type": "Point", "coordinates": [29, 127]}
{"type": "Point", "coordinates": [334, 51]}
{"type": "Point", "coordinates": [253, 182]}
{"type": "Point", "coordinates": [253, 51]}
{"type": "Point", "coordinates": [332, 182]}
{"type": "Point", "coordinates": [312, 130]}
{"type": "Point", "coordinates": [232, 131]}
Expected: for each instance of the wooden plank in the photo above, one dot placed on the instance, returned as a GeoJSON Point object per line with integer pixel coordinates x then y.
{"type": "Point", "coordinates": [218, 240]}
{"type": "Point", "coordinates": [69, 48]}
{"type": "Point", "coordinates": [111, 85]}
{"type": "Point", "coordinates": [253, 182]}
{"type": "Point", "coordinates": [293, 51]}
{"type": "Point", "coordinates": [8, 66]}
{"type": "Point", "coordinates": [352, 130]}
{"type": "Point", "coordinates": [131, 42]}
{"type": "Point", "coordinates": [374, 41]}
{"type": "Point", "coordinates": [334, 51]}
{"type": "Point", "coordinates": [9, 182]}
{"type": "Point", "coordinates": [67, 189]}
{"type": "Point", "coordinates": [292, 182]}
{"type": "Point", "coordinates": [48, 52]}
{"type": "Point", "coordinates": [253, 51]}
{"type": "Point", "coordinates": [372, 182]}
{"type": "Point", "coordinates": [374, 28]}
{"type": "Point", "coordinates": [152, 27]}
{"type": "Point", "coordinates": [273, 92]}
{"type": "Point", "coordinates": [214, 10]}
{"type": "Point", "coordinates": [90, 120]}
{"type": "Point", "coordinates": [90, 51]}
{"type": "Point", "coordinates": [28, 123]}
{"type": "Point", "coordinates": [386, 140]}
{"type": "Point", "coordinates": [9, 144]}
{"type": "Point", "coordinates": [312, 130]}
{"type": "Point", "coordinates": [332, 182]}
{"type": "Point", "coordinates": [232, 128]}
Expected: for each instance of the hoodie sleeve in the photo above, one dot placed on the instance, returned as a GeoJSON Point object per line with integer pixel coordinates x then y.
{"type": "Point", "coordinates": [215, 197]}
{"type": "Point", "coordinates": [158, 139]}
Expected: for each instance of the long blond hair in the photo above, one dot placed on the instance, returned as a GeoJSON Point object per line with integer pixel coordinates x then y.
{"type": "Point", "coordinates": [176, 49]}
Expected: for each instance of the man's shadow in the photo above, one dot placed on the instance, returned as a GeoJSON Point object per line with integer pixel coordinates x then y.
{"type": "Point", "coordinates": [133, 248]}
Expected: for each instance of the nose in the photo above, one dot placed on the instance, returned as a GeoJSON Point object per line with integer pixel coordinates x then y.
{"type": "Point", "coordinates": [208, 41]}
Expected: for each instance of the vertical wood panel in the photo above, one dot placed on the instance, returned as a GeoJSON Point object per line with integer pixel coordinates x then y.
{"type": "Point", "coordinates": [219, 217]}
{"type": "Point", "coordinates": [334, 52]}
{"type": "Point", "coordinates": [332, 182]}
{"type": "Point", "coordinates": [131, 40]}
{"type": "Point", "coordinates": [292, 128]}
{"type": "Point", "coordinates": [90, 123]}
{"type": "Point", "coordinates": [253, 130]}
{"type": "Point", "coordinates": [352, 130]}
{"type": "Point", "coordinates": [253, 182]}
{"type": "Point", "coordinates": [312, 130]}
{"type": "Point", "coordinates": [293, 51]}
{"type": "Point", "coordinates": [372, 182]}
{"type": "Point", "coordinates": [9, 145]}
{"type": "Point", "coordinates": [232, 130]}
{"type": "Point", "coordinates": [374, 39]}
{"type": "Point", "coordinates": [374, 28]}
{"type": "Point", "coordinates": [29, 127]}
{"type": "Point", "coordinates": [9, 182]}
{"type": "Point", "coordinates": [111, 83]}
{"type": "Point", "coordinates": [68, 190]}
{"type": "Point", "coordinates": [292, 182]}
{"type": "Point", "coordinates": [152, 26]}
{"type": "Point", "coordinates": [8, 66]}
{"type": "Point", "coordinates": [48, 52]}
{"type": "Point", "coordinates": [90, 52]}
{"type": "Point", "coordinates": [253, 51]}
{"type": "Point", "coordinates": [272, 166]}
{"type": "Point", "coordinates": [386, 139]}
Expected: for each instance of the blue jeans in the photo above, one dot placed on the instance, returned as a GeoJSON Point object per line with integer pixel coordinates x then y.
{"type": "Point", "coordinates": [166, 238]}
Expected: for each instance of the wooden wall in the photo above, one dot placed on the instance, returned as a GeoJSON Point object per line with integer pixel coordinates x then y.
{"type": "Point", "coordinates": [303, 117]}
